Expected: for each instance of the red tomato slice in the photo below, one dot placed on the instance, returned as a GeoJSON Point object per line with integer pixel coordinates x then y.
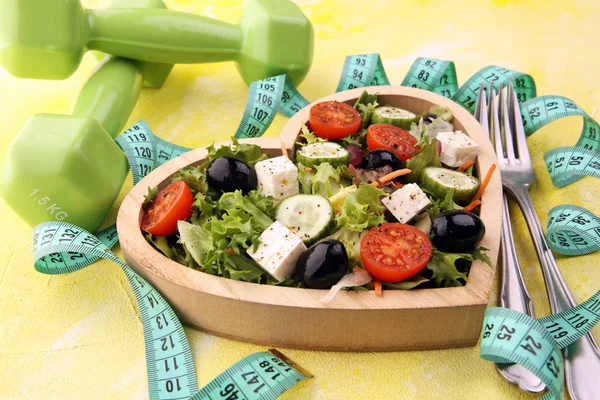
{"type": "Point", "coordinates": [384, 136]}
{"type": "Point", "coordinates": [172, 204]}
{"type": "Point", "coordinates": [393, 252]}
{"type": "Point", "coordinates": [334, 120]}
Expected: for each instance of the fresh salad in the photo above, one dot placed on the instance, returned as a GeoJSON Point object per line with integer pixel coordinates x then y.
{"type": "Point", "coordinates": [375, 197]}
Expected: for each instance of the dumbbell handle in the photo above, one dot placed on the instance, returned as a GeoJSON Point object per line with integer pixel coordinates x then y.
{"type": "Point", "coordinates": [110, 94]}
{"type": "Point", "coordinates": [163, 36]}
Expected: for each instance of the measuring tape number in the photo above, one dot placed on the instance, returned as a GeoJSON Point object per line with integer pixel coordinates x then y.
{"type": "Point", "coordinates": [61, 247]}
{"type": "Point", "coordinates": [510, 336]}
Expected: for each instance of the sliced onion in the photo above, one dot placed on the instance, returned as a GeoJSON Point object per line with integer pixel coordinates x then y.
{"type": "Point", "coordinates": [356, 154]}
{"type": "Point", "coordinates": [357, 278]}
{"type": "Point", "coordinates": [439, 148]}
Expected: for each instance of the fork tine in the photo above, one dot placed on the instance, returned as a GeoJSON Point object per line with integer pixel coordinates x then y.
{"type": "Point", "coordinates": [505, 127]}
{"type": "Point", "coordinates": [514, 112]}
{"type": "Point", "coordinates": [481, 109]}
{"type": "Point", "coordinates": [495, 133]}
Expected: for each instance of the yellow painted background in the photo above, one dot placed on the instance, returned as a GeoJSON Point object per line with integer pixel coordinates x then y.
{"type": "Point", "coordinates": [79, 335]}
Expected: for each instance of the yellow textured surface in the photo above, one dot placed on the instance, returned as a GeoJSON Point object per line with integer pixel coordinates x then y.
{"type": "Point", "coordinates": [79, 335]}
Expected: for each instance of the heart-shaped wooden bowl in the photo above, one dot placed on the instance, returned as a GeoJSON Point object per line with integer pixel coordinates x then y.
{"type": "Point", "coordinates": [291, 317]}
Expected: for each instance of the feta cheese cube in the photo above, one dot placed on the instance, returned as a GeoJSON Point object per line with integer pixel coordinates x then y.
{"type": "Point", "coordinates": [278, 251]}
{"type": "Point", "coordinates": [457, 148]}
{"type": "Point", "coordinates": [277, 177]}
{"type": "Point", "coordinates": [406, 202]}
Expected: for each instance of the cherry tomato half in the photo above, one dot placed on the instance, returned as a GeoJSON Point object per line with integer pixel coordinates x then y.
{"type": "Point", "coordinates": [172, 204]}
{"type": "Point", "coordinates": [393, 252]}
{"type": "Point", "coordinates": [334, 120]}
{"type": "Point", "coordinates": [384, 136]}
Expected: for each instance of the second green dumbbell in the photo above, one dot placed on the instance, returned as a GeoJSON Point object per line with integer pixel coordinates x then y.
{"type": "Point", "coordinates": [46, 39]}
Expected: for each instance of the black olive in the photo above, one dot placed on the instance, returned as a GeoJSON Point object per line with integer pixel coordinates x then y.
{"type": "Point", "coordinates": [323, 265]}
{"type": "Point", "coordinates": [457, 231]}
{"type": "Point", "coordinates": [428, 118]}
{"type": "Point", "coordinates": [229, 174]}
{"type": "Point", "coordinates": [380, 158]}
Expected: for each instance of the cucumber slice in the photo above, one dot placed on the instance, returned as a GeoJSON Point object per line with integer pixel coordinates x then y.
{"type": "Point", "coordinates": [394, 116]}
{"type": "Point", "coordinates": [310, 216]}
{"type": "Point", "coordinates": [440, 180]}
{"type": "Point", "coordinates": [441, 111]}
{"type": "Point", "coordinates": [320, 152]}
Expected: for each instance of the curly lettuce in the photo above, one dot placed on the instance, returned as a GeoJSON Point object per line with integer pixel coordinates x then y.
{"type": "Point", "coordinates": [428, 156]}
{"type": "Point", "coordinates": [361, 209]}
{"type": "Point", "coordinates": [216, 239]}
{"type": "Point", "coordinates": [451, 269]}
{"type": "Point", "coordinates": [250, 153]}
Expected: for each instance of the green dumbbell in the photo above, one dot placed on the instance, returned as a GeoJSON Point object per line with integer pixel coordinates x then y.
{"type": "Point", "coordinates": [46, 38]}
{"type": "Point", "coordinates": [155, 74]}
{"type": "Point", "coordinates": [68, 167]}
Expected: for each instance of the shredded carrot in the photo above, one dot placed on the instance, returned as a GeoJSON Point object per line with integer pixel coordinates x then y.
{"type": "Point", "coordinates": [307, 169]}
{"type": "Point", "coordinates": [471, 206]}
{"type": "Point", "coordinates": [481, 189]}
{"type": "Point", "coordinates": [465, 166]}
{"type": "Point", "coordinates": [392, 175]}
{"type": "Point", "coordinates": [284, 151]}
{"type": "Point", "coordinates": [356, 268]}
{"type": "Point", "coordinates": [397, 185]}
{"type": "Point", "coordinates": [378, 287]}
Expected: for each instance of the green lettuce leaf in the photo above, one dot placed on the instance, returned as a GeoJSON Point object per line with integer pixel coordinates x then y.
{"type": "Point", "coordinates": [326, 180]}
{"type": "Point", "coordinates": [428, 156]}
{"type": "Point", "coordinates": [194, 177]}
{"type": "Point", "coordinates": [478, 254]}
{"type": "Point", "coordinates": [444, 269]}
{"type": "Point", "coordinates": [204, 205]}
{"type": "Point", "coordinates": [220, 232]}
{"type": "Point", "coordinates": [365, 105]}
{"type": "Point", "coordinates": [236, 204]}
{"type": "Point", "coordinates": [304, 177]}
{"type": "Point", "coordinates": [358, 139]}
{"type": "Point", "coordinates": [250, 153]}
{"type": "Point", "coordinates": [149, 197]}
{"type": "Point", "coordinates": [438, 206]}
{"type": "Point", "coordinates": [361, 209]}
{"type": "Point", "coordinates": [451, 269]}
{"type": "Point", "coordinates": [309, 137]}
{"type": "Point", "coordinates": [161, 244]}
{"type": "Point", "coordinates": [351, 241]}
{"type": "Point", "coordinates": [407, 284]}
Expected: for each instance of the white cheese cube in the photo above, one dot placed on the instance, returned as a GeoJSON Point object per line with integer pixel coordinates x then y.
{"type": "Point", "coordinates": [277, 177]}
{"type": "Point", "coordinates": [457, 148]}
{"type": "Point", "coordinates": [406, 202]}
{"type": "Point", "coordinates": [278, 251]}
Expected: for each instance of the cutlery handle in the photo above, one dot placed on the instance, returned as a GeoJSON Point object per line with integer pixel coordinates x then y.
{"type": "Point", "coordinates": [582, 364]}
{"type": "Point", "coordinates": [514, 294]}
{"type": "Point", "coordinates": [558, 292]}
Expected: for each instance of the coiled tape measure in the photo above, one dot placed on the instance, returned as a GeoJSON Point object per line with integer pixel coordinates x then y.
{"type": "Point", "coordinates": [61, 247]}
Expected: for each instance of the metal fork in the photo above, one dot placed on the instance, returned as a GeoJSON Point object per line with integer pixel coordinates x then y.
{"type": "Point", "coordinates": [582, 364]}
{"type": "Point", "coordinates": [514, 292]}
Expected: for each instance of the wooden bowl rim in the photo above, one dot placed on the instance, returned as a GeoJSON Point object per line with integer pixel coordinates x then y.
{"type": "Point", "coordinates": [475, 292]}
